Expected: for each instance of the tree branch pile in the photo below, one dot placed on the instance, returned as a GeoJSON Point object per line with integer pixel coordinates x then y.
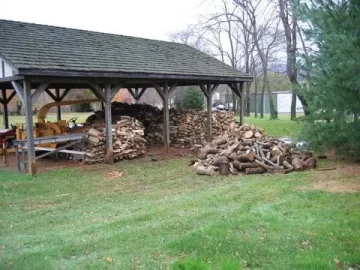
{"type": "Point", "coordinates": [249, 151]}
{"type": "Point", "coordinates": [128, 141]}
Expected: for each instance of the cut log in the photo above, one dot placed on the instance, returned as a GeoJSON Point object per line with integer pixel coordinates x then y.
{"type": "Point", "coordinates": [230, 150]}
{"type": "Point", "coordinates": [201, 170]}
{"type": "Point", "coordinates": [221, 140]}
{"type": "Point", "coordinates": [275, 151]}
{"type": "Point", "coordinates": [310, 163]}
{"type": "Point", "coordinates": [224, 168]}
{"type": "Point", "coordinates": [257, 170]}
{"type": "Point", "coordinates": [233, 156]}
{"type": "Point", "coordinates": [288, 166]}
{"type": "Point", "coordinates": [249, 156]}
{"type": "Point", "coordinates": [248, 134]}
{"type": "Point", "coordinates": [267, 167]}
{"type": "Point", "coordinates": [326, 169]}
{"type": "Point", "coordinates": [208, 149]}
{"type": "Point", "coordinates": [296, 162]}
{"type": "Point", "coordinates": [218, 160]}
{"type": "Point", "coordinates": [232, 170]}
{"type": "Point", "coordinates": [244, 166]}
{"type": "Point", "coordinates": [236, 164]}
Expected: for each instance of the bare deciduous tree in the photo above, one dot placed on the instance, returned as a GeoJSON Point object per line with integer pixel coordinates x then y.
{"type": "Point", "coordinates": [289, 17]}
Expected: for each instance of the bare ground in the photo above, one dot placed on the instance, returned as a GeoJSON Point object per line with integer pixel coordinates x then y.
{"type": "Point", "coordinates": [344, 178]}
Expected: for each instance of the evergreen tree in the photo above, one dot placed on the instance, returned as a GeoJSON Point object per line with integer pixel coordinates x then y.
{"type": "Point", "coordinates": [333, 89]}
{"type": "Point", "coordinates": [191, 99]}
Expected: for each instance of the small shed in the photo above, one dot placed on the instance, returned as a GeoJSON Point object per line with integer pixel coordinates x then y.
{"type": "Point", "coordinates": [282, 101]}
{"type": "Point", "coordinates": [36, 58]}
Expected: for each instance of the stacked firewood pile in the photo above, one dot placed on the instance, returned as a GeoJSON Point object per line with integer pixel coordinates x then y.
{"type": "Point", "coordinates": [250, 152]}
{"type": "Point", "coordinates": [187, 127]}
{"type": "Point", "coordinates": [128, 141]}
{"type": "Point", "coordinates": [192, 126]}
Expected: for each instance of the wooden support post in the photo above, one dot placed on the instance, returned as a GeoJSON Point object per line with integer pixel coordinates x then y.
{"type": "Point", "coordinates": [58, 112]}
{"type": "Point", "coordinates": [5, 105]}
{"type": "Point", "coordinates": [31, 162]}
{"type": "Point", "coordinates": [108, 126]}
{"type": "Point", "coordinates": [166, 117]}
{"type": "Point", "coordinates": [209, 114]}
{"type": "Point", "coordinates": [164, 94]}
{"type": "Point", "coordinates": [208, 91]}
{"type": "Point", "coordinates": [238, 90]}
{"type": "Point", "coordinates": [242, 102]}
{"type": "Point", "coordinates": [137, 94]}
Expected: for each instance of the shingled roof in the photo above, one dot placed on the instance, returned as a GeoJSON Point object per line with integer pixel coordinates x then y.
{"type": "Point", "coordinates": [35, 47]}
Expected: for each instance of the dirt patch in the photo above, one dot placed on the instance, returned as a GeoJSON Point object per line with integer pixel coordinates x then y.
{"type": "Point", "coordinates": [345, 178]}
{"type": "Point", "coordinates": [159, 151]}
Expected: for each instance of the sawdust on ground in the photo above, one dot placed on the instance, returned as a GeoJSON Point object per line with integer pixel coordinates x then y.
{"type": "Point", "coordinates": [345, 178]}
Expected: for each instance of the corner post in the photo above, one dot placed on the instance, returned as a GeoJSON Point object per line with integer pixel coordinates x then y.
{"type": "Point", "coordinates": [58, 112]}
{"type": "Point", "coordinates": [209, 112]}
{"type": "Point", "coordinates": [166, 117]}
{"type": "Point", "coordinates": [31, 161]}
{"type": "Point", "coordinates": [5, 105]}
{"type": "Point", "coordinates": [242, 102]}
{"type": "Point", "coordinates": [108, 126]}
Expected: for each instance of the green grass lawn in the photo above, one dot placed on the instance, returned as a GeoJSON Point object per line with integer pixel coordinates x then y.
{"type": "Point", "coordinates": [281, 127]}
{"type": "Point", "coordinates": [161, 215]}
{"type": "Point", "coordinates": [20, 119]}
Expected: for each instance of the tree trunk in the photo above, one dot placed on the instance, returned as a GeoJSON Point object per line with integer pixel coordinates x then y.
{"type": "Point", "coordinates": [256, 97]}
{"type": "Point", "coordinates": [262, 97]}
{"type": "Point", "coordinates": [273, 111]}
{"type": "Point", "coordinates": [293, 105]}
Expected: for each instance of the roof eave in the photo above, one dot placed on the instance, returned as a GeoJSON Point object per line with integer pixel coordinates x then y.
{"type": "Point", "coordinates": [125, 75]}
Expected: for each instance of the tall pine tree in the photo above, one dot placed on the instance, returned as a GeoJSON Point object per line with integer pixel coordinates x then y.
{"type": "Point", "coordinates": [333, 89]}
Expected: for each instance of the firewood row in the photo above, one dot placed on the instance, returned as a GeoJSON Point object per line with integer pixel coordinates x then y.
{"type": "Point", "coordinates": [128, 141]}
{"type": "Point", "coordinates": [187, 127]}
{"type": "Point", "coordinates": [192, 126]}
{"type": "Point", "coordinates": [249, 151]}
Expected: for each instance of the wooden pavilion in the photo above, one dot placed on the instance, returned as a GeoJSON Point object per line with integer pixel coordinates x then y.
{"type": "Point", "coordinates": [39, 58]}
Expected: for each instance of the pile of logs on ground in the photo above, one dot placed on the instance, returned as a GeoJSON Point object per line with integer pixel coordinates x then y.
{"type": "Point", "coordinates": [250, 153]}
{"type": "Point", "coordinates": [128, 141]}
{"type": "Point", "coordinates": [187, 127]}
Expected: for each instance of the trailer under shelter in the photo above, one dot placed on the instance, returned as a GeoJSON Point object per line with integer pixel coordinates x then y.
{"type": "Point", "coordinates": [38, 58]}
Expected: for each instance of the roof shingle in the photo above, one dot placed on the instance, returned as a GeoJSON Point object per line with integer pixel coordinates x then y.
{"type": "Point", "coordinates": [40, 47]}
